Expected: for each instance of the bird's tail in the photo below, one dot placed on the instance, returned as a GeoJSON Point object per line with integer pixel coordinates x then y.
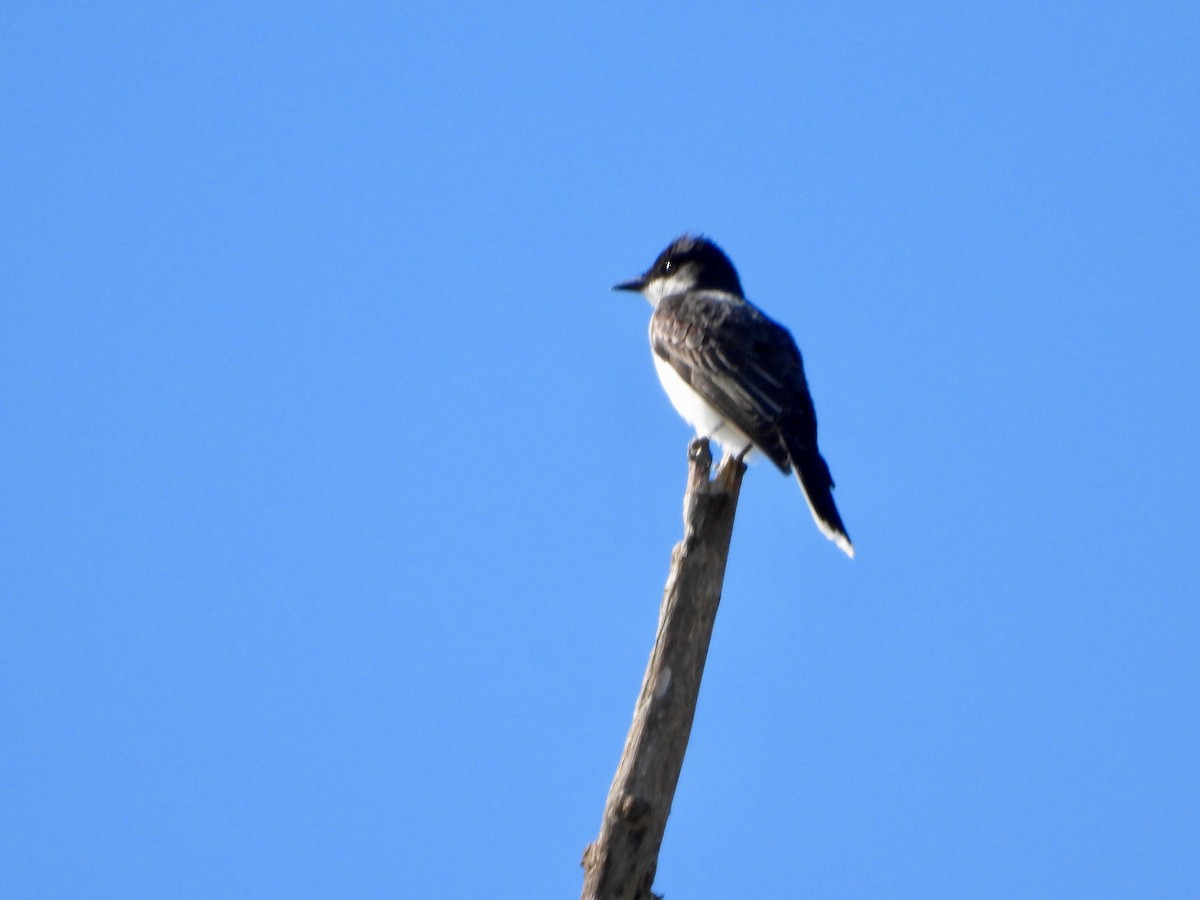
{"type": "Point", "coordinates": [817, 484]}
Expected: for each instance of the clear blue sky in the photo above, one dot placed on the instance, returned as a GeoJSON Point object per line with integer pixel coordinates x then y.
{"type": "Point", "coordinates": [338, 489]}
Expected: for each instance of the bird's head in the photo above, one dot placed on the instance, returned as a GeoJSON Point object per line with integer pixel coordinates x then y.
{"type": "Point", "coordinates": [689, 264]}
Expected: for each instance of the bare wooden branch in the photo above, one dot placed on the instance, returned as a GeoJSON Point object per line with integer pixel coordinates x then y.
{"type": "Point", "coordinates": [621, 863]}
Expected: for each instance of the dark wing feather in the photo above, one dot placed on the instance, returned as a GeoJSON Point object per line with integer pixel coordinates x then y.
{"type": "Point", "coordinates": [745, 365]}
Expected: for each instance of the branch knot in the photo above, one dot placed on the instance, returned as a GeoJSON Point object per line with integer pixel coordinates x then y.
{"type": "Point", "coordinates": [633, 809]}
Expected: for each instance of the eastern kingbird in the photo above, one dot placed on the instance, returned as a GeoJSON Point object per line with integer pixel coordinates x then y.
{"type": "Point", "coordinates": [732, 373]}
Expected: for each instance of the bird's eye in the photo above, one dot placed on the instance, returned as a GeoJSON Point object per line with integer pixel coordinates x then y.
{"type": "Point", "coordinates": [667, 267]}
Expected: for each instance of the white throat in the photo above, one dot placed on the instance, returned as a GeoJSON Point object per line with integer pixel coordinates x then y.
{"type": "Point", "coordinates": [665, 287]}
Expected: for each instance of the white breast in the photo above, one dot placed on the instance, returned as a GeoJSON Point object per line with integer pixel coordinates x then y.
{"type": "Point", "coordinates": [697, 412]}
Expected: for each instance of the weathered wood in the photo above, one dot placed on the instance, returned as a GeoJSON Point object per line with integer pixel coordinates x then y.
{"type": "Point", "coordinates": [621, 863]}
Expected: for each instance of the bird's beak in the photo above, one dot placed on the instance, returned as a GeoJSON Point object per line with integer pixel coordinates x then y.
{"type": "Point", "coordinates": [636, 285]}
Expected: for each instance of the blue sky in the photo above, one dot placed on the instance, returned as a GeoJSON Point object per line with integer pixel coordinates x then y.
{"type": "Point", "coordinates": [339, 490]}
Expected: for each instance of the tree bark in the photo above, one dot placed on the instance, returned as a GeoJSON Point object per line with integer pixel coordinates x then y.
{"type": "Point", "coordinates": [621, 863]}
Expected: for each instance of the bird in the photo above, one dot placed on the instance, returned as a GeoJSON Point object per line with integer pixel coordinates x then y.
{"type": "Point", "coordinates": [732, 373]}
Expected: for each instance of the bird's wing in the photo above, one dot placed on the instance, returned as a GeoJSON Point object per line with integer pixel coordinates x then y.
{"type": "Point", "coordinates": [746, 366]}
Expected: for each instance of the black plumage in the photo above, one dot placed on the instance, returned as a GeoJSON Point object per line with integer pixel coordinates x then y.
{"type": "Point", "coordinates": [742, 364]}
